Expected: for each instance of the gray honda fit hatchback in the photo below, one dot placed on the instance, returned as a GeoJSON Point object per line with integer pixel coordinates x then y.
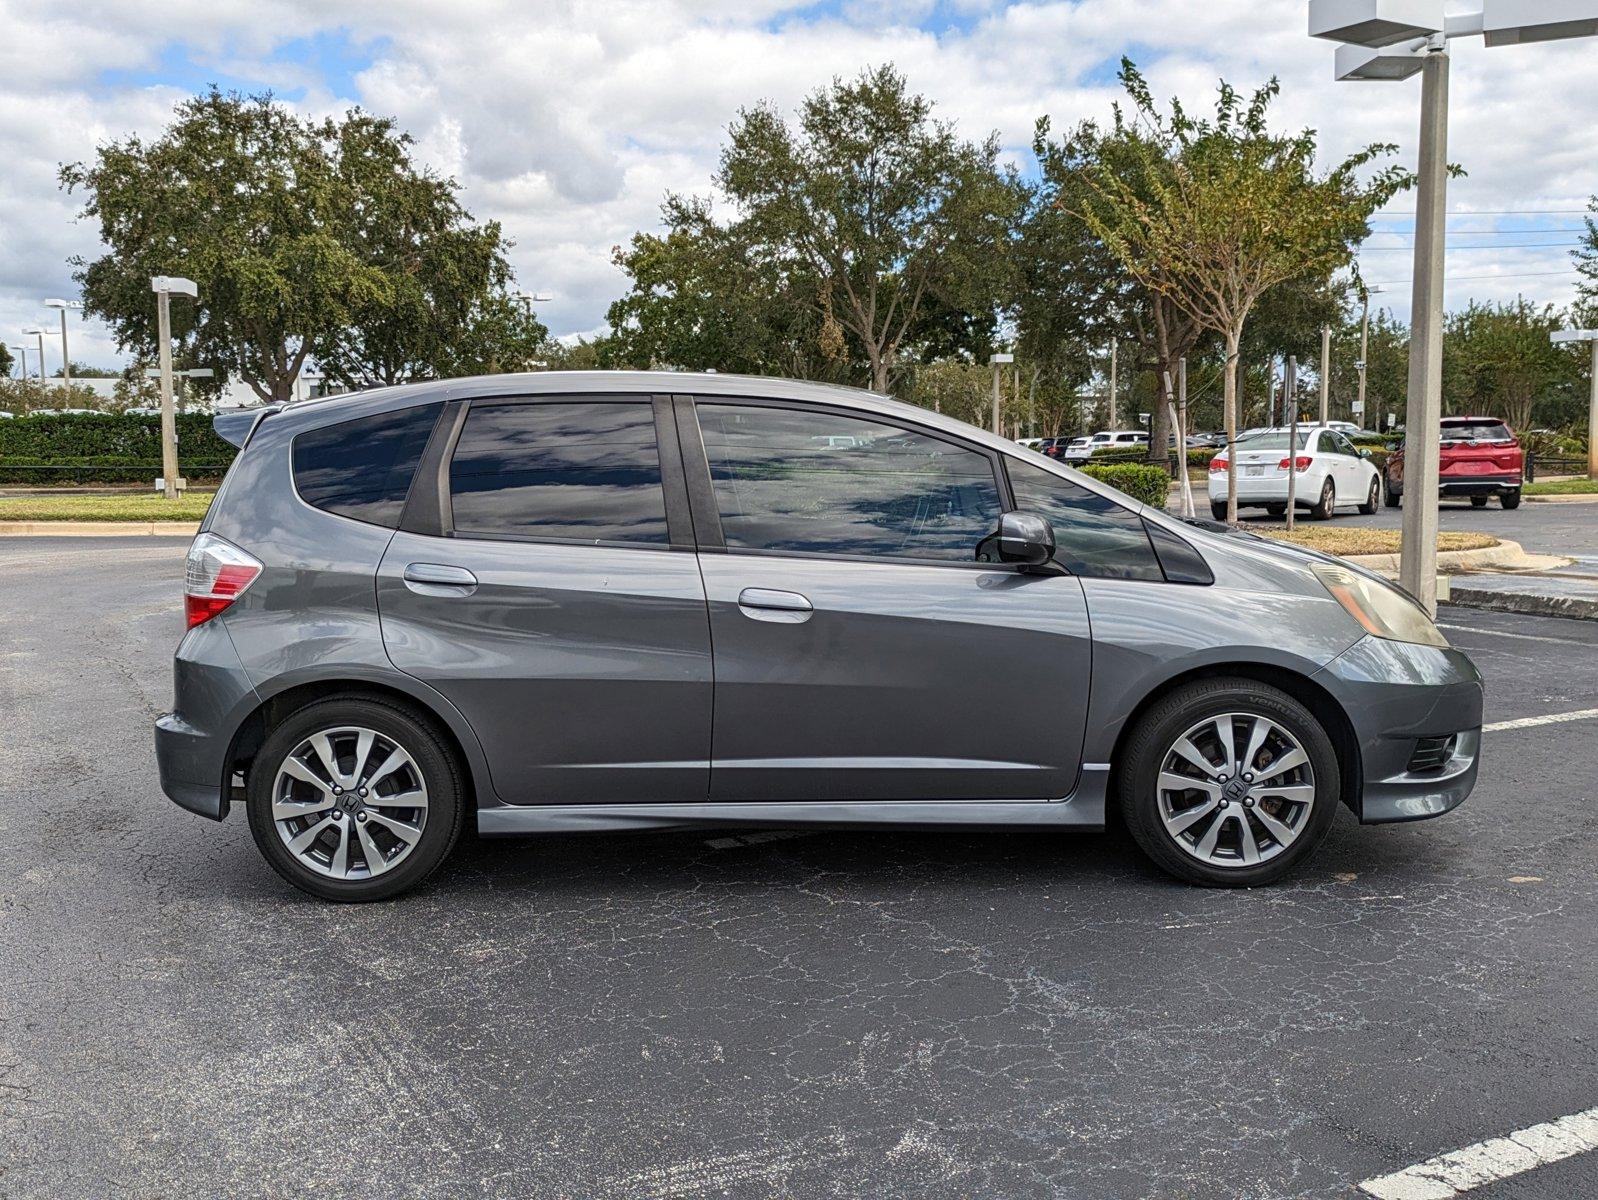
{"type": "Point", "coordinates": [621, 601]}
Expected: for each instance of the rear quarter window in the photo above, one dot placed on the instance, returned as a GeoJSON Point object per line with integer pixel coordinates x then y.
{"type": "Point", "coordinates": [363, 468]}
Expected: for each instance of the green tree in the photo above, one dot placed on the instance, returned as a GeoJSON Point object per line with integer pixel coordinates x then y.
{"type": "Point", "coordinates": [305, 238]}
{"type": "Point", "coordinates": [1500, 359]}
{"type": "Point", "coordinates": [1219, 211]}
{"type": "Point", "coordinates": [6, 361]}
{"type": "Point", "coordinates": [84, 371]}
{"type": "Point", "coordinates": [877, 214]}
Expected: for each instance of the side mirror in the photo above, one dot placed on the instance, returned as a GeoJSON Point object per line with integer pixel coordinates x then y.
{"type": "Point", "coordinates": [1025, 538]}
{"type": "Point", "coordinates": [1364, 453]}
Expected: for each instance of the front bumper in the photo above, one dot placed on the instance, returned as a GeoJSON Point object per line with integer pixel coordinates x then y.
{"type": "Point", "coordinates": [1395, 694]}
{"type": "Point", "coordinates": [211, 693]}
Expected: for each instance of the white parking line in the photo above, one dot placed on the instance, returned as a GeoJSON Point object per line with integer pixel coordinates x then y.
{"type": "Point", "coordinates": [1581, 714]}
{"type": "Point", "coordinates": [1448, 1175]}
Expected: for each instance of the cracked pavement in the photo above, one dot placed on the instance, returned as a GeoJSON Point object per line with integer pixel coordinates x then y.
{"type": "Point", "coordinates": [708, 1014]}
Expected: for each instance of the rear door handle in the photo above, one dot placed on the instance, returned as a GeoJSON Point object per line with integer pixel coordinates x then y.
{"type": "Point", "coordinates": [768, 604]}
{"type": "Point", "coordinates": [439, 579]}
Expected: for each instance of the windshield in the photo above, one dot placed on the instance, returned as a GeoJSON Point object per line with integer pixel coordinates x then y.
{"type": "Point", "coordinates": [1272, 439]}
{"type": "Point", "coordinates": [1476, 431]}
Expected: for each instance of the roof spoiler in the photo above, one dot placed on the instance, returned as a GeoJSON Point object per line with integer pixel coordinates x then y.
{"type": "Point", "coordinates": [235, 427]}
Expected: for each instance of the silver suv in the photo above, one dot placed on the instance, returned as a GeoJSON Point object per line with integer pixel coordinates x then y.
{"type": "Point", "coordinates": [617, 601]}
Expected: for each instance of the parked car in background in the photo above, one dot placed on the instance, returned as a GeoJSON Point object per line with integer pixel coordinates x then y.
{"type": "Point", "coordinates": [1330, 472]}
{"type": "Point", "coordinates": [1480, 458]}
{"type": "Point", "coordinates": [1031, 443]}
{"type": "Point", "coordinates": [1108, 439]}
{"type": "Point", "coordinates": [1062, 447]}
{"type": "Point", "coordinates": [619, 601]}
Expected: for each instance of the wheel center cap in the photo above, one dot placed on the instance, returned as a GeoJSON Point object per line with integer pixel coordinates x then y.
{"type": "Point", "coordinates": [1236, 789]}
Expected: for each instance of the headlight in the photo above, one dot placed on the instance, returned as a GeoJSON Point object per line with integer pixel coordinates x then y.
{"type": "Point", "coordinates": [1382, 609]}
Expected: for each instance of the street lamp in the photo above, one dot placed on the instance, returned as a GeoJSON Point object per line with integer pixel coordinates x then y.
{"type": "Point", "coordinates": [66, 358]}
{"type": "Point", "coordinates": [1591, 337]}
{"type": "Point", "coordinates": [1364, 351]}
{"type": "Point", "coordinates": [1394, 39]}
{"type": "Point", "coordinates": [41, 334]}
{"type": "Point", "coordinates": [165, 287]}
{"type": "Point", "coordinates": [999, 361]}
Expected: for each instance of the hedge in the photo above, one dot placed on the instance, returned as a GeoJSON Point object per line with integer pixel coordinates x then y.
{"type": "Point", "coordinates": [1137, 480]}
{"type": "Point", "coordinates": [47, 438]}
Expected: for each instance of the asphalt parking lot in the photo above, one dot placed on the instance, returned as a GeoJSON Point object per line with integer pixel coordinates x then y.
{"type": "Point", "coordinates": [704, 1014]}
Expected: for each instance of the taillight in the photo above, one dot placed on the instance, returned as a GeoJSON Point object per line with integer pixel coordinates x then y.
{"type": "Point", "coordinates": [1301, 463]}
{"type": "Point", "coordinates": [1217, 464]}
{"type": "Point", "coordinates": [216, 574]}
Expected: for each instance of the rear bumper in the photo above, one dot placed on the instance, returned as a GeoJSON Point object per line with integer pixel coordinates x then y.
{"type": "Point", "coordinates": [1268, 490]}
{"type": "Point", "coordinates": [211, 693]}
{"type": "Point", "coordinates": [1395, 694]}
{"type": "Point", "coordinates": [1477, 485]}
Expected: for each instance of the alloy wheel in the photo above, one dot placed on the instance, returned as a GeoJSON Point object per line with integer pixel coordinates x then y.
{"type": "Point", "coordinates": [349, 802]}
{"type": "Point", "coordinates": [1235, 790]}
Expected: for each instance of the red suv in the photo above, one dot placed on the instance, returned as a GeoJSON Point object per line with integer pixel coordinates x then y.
{"type": "Point", "coordinates": [1480, 458]}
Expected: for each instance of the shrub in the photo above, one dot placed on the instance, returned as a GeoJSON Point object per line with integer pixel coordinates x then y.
{"type": "Point", "coordinates": [1138, 480]}
{"type": "Point", "coordinates": [126, 447]}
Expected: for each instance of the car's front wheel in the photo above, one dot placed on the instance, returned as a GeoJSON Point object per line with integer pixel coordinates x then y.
{"type": "Point", "coordinates": [1229, 783]}
{"type": "Point", "coordinates": [1369, 507]}
{"type": "Point", "coordinates": [1391, 495]}
{"type": "Point", "coordinates": [354, 798]}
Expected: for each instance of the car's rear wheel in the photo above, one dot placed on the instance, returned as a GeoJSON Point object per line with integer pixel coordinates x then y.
{"type": "Point", "coordinates": [1369, 507]}
{"type": "Point", "coordinates": [1510, 499]}
{"type": "Point", "coordinates": [1327, 504]}
{"type": "Point", "coordinates": [1478, 501]}
{"type": "Point", "coordinates": [1229, 783]}
{"type": "Point", "coordinates": [353, 799]}
{"type": "Point", "coordinates": [1218, 510]}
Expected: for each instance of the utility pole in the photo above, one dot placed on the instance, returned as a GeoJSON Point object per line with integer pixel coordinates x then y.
{"type": "Point", "coordinates": [1289, 387]}
{"type": "Point", "coordinates": [1326, 372]}
{"type": "Point", "coordinates": [1113, 422]}
{"type": "Point", "coordinates": [164, 286]}
{"type": "Point", "coordinates": [1417, 567]}
{"type": "Point", "coordinates": [999, 362]}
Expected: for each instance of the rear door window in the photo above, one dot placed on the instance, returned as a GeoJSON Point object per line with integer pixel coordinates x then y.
{"type": "Point", "coordinates": [571, 471]}
{"type": "Point", "coordinates": [363, 468]}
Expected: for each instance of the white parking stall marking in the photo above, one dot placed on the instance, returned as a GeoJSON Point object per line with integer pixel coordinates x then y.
{"type": "Point", "coordinates": [1581, 714]}
{"type": "Point", "coordinates": [1458, 1171]}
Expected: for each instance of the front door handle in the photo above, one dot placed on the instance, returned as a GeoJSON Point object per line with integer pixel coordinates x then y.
{"type": "Point", "coordinates": [439, 579]}
{"type": "Point", "coordinates": [768, 604]}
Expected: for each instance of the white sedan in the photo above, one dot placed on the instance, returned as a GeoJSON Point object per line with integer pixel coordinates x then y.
{"type": "Point", "coordinates": [1330, 472]}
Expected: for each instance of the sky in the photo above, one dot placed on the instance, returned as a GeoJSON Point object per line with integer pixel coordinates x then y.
{"type": "Point", "coordinates": [569, 121]}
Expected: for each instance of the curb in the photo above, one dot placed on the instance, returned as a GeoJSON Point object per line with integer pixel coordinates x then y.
{"type": "Point", "coordinates": [99, 528]}
{"type": "Point", "coordinates": [1578, 498]}
{"type": "Point", "coordinates": [1525, 603]}
{"type": "Point", "coordinates": [1506, 556]}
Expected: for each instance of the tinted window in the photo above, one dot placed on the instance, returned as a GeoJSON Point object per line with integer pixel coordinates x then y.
{"type": "Point", "coordinates": [1479, 431]}
{"type": "Point", "coordinates": [1092, 535]}
{"type": "Point", "coordinates": [793, 480]}
{"type": "Point", "coordinates": [363, 468]}
{"type": "Point", "coordinates": [1272, 440]}
{"type": "Point", "coordinates": [578, 471]}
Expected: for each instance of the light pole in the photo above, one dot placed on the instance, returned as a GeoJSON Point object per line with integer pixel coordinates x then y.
{"type": "Point", "coordinates": [66, 357]}
{"type": "Point", "coordinates": [1326, 372]}
{"type": "Point", "coordinates": [1392, 40]}
{"type": "Point", "coordinates": [1590, 336]}
{"type": "Point", "coordinates": [41, 334]}
{"type": "Point", "coordinates": [1113, 422]}
{"type": "Point", "coordinates": [1364, 350]}
{"type": "Point", "coordinates": [165, 287]}
{"type": "Point", "coordinates": [999, 361]}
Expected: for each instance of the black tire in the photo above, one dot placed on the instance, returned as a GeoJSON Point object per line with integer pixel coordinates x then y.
{"type": "Point", "coordinates": [1276, 510]}
{"type": "Point", "coordinates": [1324, 507]}
{"type": "Point", "coordinates": [1510, 499]}
{"type": "Point", "coordinates": [432, 759]}
{"type": "Point", "coordinates": [1478, 501]}
{"type": "Point", "coordinates": [1371, 501]}
{"type": "Point", "coordinates": [1218, 511]}
{"type": "Point", "coordinates": [1390, 495]}
{"type": "Point", "coordinates": [1166, 721]}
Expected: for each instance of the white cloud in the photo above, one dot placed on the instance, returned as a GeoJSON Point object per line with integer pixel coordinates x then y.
{"type": "Point", "coordinates": [569, 120]}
